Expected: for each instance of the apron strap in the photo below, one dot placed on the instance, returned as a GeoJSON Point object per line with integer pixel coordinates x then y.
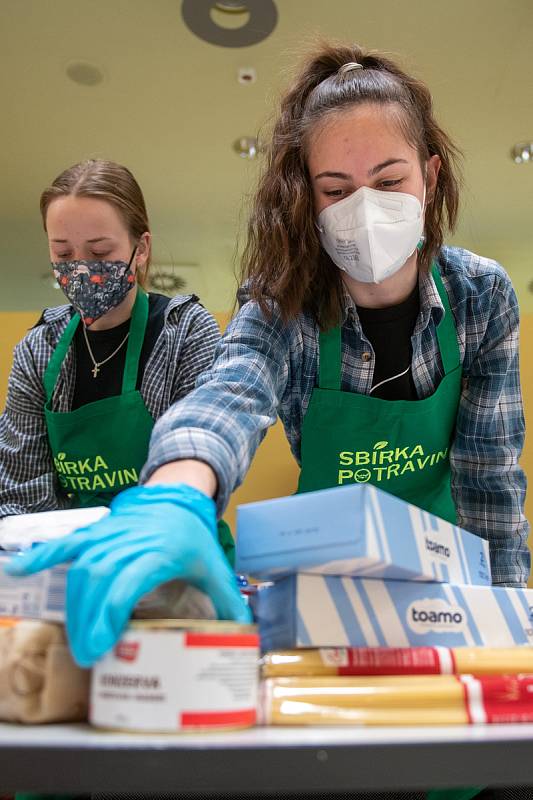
{"type": "Point", "coordinates": [330, 348]}
{"type": "Point", "coordinates": [139, 319]}
{"type": "Point", "coordinates": [446, 333]}
{"type": "Point", "coordinates": [58, 356]}
{"type": "Point", "coordinates": [330, 359]}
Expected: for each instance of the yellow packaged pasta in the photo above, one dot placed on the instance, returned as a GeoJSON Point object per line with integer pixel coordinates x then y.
{"type": "Point", "coordinates": [397, 700]}
{"type": "Point", "coordinates": [397, 661]}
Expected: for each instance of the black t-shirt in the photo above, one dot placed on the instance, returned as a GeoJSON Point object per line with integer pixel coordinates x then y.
{"type": "Point", "coordinates": [108, 382]}
{"type": "Point", "coordinates": [389, 331]}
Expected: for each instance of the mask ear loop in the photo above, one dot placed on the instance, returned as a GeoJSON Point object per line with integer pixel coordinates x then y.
{"type": "Point", "coordinates": [137, 267]}
{"type": "Point", "coordinates": [423, 238]}
{"type": "Point", "coordinates": [132, 255]}
{"type": "Point", "coordinates": [140, 272]}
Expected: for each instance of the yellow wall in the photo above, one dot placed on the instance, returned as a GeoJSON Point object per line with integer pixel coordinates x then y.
{"type": "Point", "coordinates": [13, 326]}
{"type": "Point", "coordinates": [274, 471]}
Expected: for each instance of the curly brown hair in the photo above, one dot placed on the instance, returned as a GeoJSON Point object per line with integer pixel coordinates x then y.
{"type": "Point", "coordinates": [282, 259]}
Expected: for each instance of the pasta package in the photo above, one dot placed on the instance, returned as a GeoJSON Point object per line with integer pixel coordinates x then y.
{"type": "Point", "coordinates": [39, 681]}
{"type": "Point", "coordinates": [397, 700]}
{"type": "Point", "coordinates": [397, 661]}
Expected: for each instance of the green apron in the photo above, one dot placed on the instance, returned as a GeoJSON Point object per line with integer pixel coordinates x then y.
{"type": "Point", "coordinates": [395, 445]}
{"type": "Point", "coordinates": [401, 446]}
{"type": "Point", "coordinates": [100, 448]}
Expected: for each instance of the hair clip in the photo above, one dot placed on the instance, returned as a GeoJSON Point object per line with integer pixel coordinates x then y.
{"type": "Point", "coordinates": [349, 67]}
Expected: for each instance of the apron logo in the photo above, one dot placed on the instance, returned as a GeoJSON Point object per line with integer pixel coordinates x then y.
{"type": "Point", "coordinates": [362, 475]}
{"type": "Point", "coordinates": [381, 464]}
{"type": "Point", "coordinates": [92, 474]}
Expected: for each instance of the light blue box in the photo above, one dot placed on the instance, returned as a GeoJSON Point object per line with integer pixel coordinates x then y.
{"type": "Point", "coordinates": [358, 531]}
{"type": "Point", "coordinates": [326, 611]}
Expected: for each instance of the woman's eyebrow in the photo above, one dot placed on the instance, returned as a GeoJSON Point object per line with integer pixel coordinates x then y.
{"type": "Point", "coordinates": [342, 175]}
{"type": "Point", "coordinates": [384, 164]}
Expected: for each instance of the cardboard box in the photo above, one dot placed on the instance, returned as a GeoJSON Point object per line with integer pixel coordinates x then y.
{"type": "Point", "coordinates": [20, 531]}
{"type": "Point", "coordinates": [356, 530]}
{"type": "Point", "coordinates": [42, 596]}
{"type": "Point", "coordinates": [324, 611]}
{"type": "Point", "coordinates": [39, 596]}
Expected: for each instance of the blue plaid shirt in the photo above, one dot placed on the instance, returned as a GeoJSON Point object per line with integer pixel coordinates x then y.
{"type": "Point", "coordinates": [265, 367]}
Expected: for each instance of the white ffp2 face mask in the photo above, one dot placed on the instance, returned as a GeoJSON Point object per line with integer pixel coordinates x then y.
{"type": "Point", "coordinates": [371, 234]}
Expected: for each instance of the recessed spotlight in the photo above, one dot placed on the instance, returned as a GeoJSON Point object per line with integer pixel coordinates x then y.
{"type": "Point", "coordinates": [166, 282]}
{"type": "Point", "coordinates": [84, 73]}
{"type": "Point", "coordinates": [246, 75]}
{"type": "Point", "coordinates": [522, 153]}
{"type": "Point", "coordinates": [231, 6]}
{"type": "Point", "coordinates": [247, 22]}
{"type": "Point", "coordinates": [247, 147]}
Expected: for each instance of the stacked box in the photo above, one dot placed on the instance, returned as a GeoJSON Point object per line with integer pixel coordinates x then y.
{"type": "Point", "coordinates": [357, 531]}
{"type": "Point", "coordinates": [355, 566]}
{"type": "Point", "coordinates": [39, 596]}
{"type": "Point", "coordinates": [325, 611]}
{"type": "Point", "coordinates": [385, 598]}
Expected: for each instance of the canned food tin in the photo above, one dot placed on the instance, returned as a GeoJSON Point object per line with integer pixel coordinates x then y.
{"type": "Point", "coordinates": [178, 675]}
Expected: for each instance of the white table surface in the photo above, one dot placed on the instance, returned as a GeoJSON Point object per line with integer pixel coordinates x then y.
{"type": "Point", "coordinates": [66, 757]}
{"type": "Point", "coordinates": [84, 736]}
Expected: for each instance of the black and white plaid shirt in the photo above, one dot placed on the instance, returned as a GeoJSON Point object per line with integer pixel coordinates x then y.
{"type": "Point", "coordinates": [28, 480]}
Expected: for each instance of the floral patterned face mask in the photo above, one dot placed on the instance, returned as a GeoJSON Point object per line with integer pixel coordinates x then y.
{"type": "Point", "coordinates": [94, 287]}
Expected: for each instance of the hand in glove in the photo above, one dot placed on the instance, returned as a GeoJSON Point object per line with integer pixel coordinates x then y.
{"type": "Point", "coordinates": [153, 534]}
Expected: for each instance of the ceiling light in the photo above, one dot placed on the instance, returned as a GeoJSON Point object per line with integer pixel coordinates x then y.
{"type": "Point", "coordinates": [260, 17]}
{"type": "Point", "coordinates": [231, 6]}
{"type": "Point", "coordinates": [171, 279]}
{"type": "Point", "coordinates": [246, 75]}
{"type": "Point", "coordinates": [84, 73]}
{"type": "Point", "coordinates": [522, 153]}
{"type": "Point", "coordinates": [247, 147]}
{"type": "Point", "coordinates": [166, 282]}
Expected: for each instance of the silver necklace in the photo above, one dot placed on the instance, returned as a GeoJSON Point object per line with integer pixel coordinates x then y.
{"type": "Point", "coordinates": [97, 364]}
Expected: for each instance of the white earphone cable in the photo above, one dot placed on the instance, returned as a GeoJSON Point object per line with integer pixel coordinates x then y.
{"type": "Point", "coordinates": [399, 375]}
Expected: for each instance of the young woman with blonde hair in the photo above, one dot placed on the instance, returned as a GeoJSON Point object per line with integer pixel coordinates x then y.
{"type": "Point", "coordinates": [91, 377]}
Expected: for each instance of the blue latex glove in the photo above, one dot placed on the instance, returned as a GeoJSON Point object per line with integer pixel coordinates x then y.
{"type": "Point", "coordinates": [152, 534]}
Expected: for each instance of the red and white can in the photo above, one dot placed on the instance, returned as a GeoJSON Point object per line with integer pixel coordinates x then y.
{"type": "Point", "coordinates": [178, 675]}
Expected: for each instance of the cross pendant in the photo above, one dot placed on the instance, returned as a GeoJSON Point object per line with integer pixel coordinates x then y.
{"type": "Point", "coordinates": [95, 370]}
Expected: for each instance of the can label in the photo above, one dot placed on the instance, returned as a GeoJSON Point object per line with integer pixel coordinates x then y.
{"type": "Point", "coordinates": [169, 680]}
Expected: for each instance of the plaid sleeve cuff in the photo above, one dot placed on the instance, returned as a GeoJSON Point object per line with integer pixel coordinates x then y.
{"type": "Point", "coordinates": [201, 445]}
{"type": "Point", "coordinates": [510, 585]}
